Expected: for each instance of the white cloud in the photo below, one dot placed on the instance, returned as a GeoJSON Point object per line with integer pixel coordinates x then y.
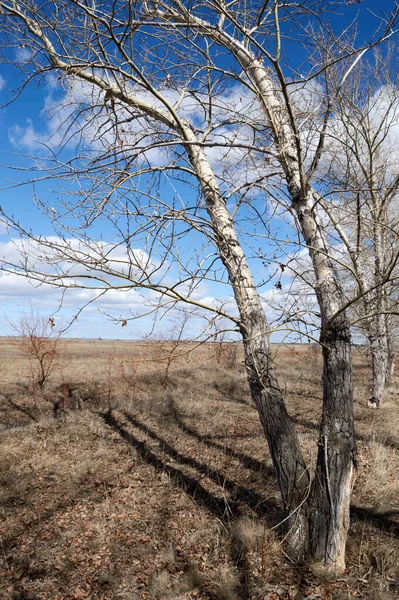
{"type": "Point", "coordinates": [23, 55]}
{"type": "Point", "coordinates": [100, 127]}
{"type": "Point", "coordinates": [2, 82]}
{"type": "Point", "coordinates": [18, 293]}
{"type": "Point", "coordinates": [379, 113]}
{"type": "Point", "coordinates": [79, 258]}
{"type": "Point", "coordinates": [14, 287]}
{"type": "Point", "coordinates": [23, 137]}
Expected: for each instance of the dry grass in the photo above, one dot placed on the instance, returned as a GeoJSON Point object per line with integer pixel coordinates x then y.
{"type": "Point", "coordinates": [144, 487]}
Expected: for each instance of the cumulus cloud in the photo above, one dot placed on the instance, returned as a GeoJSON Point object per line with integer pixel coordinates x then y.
{"type": "Point", "coordinates": [106, 267]}
{"type": "Point", "coordinates": [378, 114]}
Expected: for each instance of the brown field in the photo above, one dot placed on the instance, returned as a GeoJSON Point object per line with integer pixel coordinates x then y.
{"type": "Point", "coordinates": [147, 484]}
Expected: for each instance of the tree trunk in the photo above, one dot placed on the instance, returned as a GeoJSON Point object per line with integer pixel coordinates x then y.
{"type": "Point", "coordinates": [391, 352]}
{"type": "Point", "coordinates": [390, 367]}
{"type": "Point", "coordinates": [318, 520]}
{"type": "Point", "coordinates": [329, 501]}
{"type": "Point", "coordinates": [328, 506]}
{"type": "Point", "coordinates": [379, 363]}
{"type": "Point", "coordinates": [332, 485]}
{"type": "Point", "coordinates": [379, 360]}
{"type": "Point", "coordinates": [292, 474]}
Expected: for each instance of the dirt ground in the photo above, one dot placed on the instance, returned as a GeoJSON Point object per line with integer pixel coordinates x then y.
{"type": "Point", "coordinates": [131, 477]}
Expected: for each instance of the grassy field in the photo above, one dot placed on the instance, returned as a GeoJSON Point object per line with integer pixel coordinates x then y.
{"type": "Point", "coordinates": [125, 480]}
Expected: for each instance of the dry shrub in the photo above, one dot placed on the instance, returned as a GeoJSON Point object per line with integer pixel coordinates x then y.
{"type": "Point", "coordinates": [38, 340]}
{"type": "Point", "coordinates": [226, 353]}
{"type": "Point", "coordinates": [78, 395]}
{"type": "Point", "coordinates": [230, 356]}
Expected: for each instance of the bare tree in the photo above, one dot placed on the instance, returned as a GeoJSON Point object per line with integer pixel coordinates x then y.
{"type": "Point", "coordinates": [194, 95]}
{"type": "Point", "coordinates": [363, 204]}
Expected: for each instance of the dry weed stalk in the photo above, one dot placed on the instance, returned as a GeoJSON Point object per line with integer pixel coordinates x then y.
{"type": "Point", "coordinates": [127, 380]}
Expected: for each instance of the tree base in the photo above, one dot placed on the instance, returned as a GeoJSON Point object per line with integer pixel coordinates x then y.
{"type": "Point", "coordinates": [326, 572]}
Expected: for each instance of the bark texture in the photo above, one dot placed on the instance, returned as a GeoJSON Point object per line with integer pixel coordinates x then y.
{"type": "Point", "coordinates": [390, 368]}
{"type": "Point", "coordinates": [379, 362]}
{"type": "Point", "coordinates": [329, 502]}
{"type": "Point", "coordinates": [292, 474]}
{"type": "Point", "coordinates": [331, 492]}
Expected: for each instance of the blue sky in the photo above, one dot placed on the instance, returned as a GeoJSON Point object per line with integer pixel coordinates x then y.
{"type": "Point", "coordinates": [22, 125]}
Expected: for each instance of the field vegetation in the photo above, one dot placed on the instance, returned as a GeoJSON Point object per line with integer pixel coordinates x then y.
{"type": "Point", "coordinates": [129, 476]}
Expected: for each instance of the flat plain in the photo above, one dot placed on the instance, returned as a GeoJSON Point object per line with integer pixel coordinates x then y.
{"type": "Point", "coordinates": [141, 471]}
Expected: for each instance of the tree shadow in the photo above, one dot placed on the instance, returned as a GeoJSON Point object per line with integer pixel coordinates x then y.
{"type": "Point", "coordinates": [249, 496]}
{"type": "Point", "coordinates": [231, 436]}
{"type": "Point", "coordinates": [239, 557]}
{"type": "Point", "coordinates": [381, 520]}
{"type": "Point", "coordinates": [245, 459]}
{"type": "Point", "coordinates": [232, 391]}
{"type": "Point", "coordinates": [20, 408]}
{"type": "Point", "coordinates": [226, 509]}
{"type": "Point", "coordinates": [233, 398]}
{"type": "Point", "coordinates": [218, 506]}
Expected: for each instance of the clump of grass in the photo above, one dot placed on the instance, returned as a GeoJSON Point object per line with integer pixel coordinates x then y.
{"type": "Point", "coordinates": [224, 583]}
{"type": "Point", "coordinates": [381, 483]}
{"type": "Point", "coordinates": [161, 585]}
{"type": "Point", "coordinates": [247, 533]}
{"type": "Point", "coordinates": [373, 560]}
